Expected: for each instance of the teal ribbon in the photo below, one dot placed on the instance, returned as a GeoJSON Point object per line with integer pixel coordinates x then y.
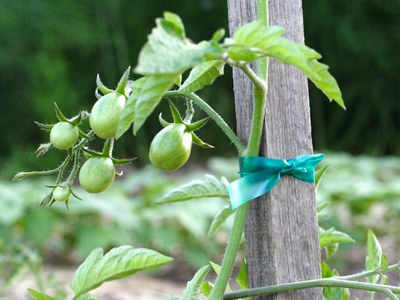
{"type": "Point", "coordinates": [261, 174]}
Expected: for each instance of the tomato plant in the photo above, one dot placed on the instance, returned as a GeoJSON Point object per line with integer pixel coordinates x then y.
{"type": "Point", "coordinates": [167, 55]}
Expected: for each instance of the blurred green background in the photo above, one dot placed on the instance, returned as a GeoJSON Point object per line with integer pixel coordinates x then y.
{"type": "Point", "coordinates": [52, 50]}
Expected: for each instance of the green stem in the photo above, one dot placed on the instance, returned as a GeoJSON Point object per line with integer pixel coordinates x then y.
{"type": "Point", "coordinates": [260, 82]}
{"type": "Point", "coordinates": [326, 282]}
{"type": "Point", "coordinates": [391, 268]}
{"type": "Point", "coordinates": [213, 114]}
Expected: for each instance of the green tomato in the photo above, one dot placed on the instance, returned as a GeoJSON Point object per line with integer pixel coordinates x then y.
{"type": "Point", "coordinates": [170, 148]}
{"type": "Point", "coordinates": [97, 174]}
{"type": "Point", "coordinates": [64, 135]}
{"type": "Point", "coordinates": [61, 193]}
{"type": "Point", "coordinates": [105, 114]}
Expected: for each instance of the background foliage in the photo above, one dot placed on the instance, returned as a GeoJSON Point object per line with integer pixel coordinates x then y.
{"type": "Point", "coordinates": [51, 51]}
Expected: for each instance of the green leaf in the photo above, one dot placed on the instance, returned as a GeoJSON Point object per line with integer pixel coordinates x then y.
{"type": "Point", "coordinates": [151, 92]}
{"type": "Point", "coordinates": [242, 278]}
{"type": "Point", "coordinates": [242, 53]}
{"type": "Point", "coordinates": [219, 220]}
{"type": "Point", "coordinates": [202, 75]}
{"type": "Point", "coordinates": [206, 288]}
{"type": "Point", "coordinates": [176, 22]}
{"type": "Point", "coordinates": [332, 236]}
{"type": "Point", "coordinates": [330, 250]}
{"type": "Point", "coordinates": [333, 293]}
{"type": "Point", "coordinates": [117, 263]}
{"type": "Point", "coordinates": [191, 291]}
{"type": "Point", "coordinates": [87, 297]}
{"type": "Point", "coordinates": [217, 270]}
{"type": "Point", "coordinates": [128, 114]}
{"type": "Point", "coordinates": [210, 187]}
{"type": "Point", "coordinates": [319, 174]}
{"type": "Point", "coordinates": [39, 296]}
{"type": "Point", "coordinates": [167, 51]}
{"type": "Point", "coordinates": [326, 271]}
{"type": "Point", "coordinates": [375, 256]}
{"type": "Point", "coordinates": [268, 41]}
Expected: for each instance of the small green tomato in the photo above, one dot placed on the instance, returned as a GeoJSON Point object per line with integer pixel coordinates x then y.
{"type": "Point", "coordinates": [170, 148]}
{"type": "Point", "coordinates": [64, 135]}
{"type": "Point", "coordinates": [105, 114]}
{"type": "Point", "coordinates": [61, 193]}
{"type": "Point", "coordinates": [97, 174]}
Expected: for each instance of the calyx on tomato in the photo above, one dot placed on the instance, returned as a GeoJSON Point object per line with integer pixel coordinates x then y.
{"type": "Point", "coordinates": [105, 114]}
{"type": "Point", "coordinates": [171, 147]}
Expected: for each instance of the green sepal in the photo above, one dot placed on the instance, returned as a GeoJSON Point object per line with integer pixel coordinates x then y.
{"type": "Point", "coordinates": [97, 94]}
{"type": "Point", "coordinates": [123, 81]}
{"type": "Point", "coordinates": [190, 127]}
{"type": "Point", "coordinates": [175, 113]}
{"type": "Point", "coordinates": [162, 121]}
{"type": "Point", "coordinates": [197, 141]}
{"type": "Point", "coordinates": [83, 135]}
{"type": "Point", "coordinates": [59, 114]}
{"type": "Point", "coordinates": [75, 120]}
{"type": "Point", "coordinates": [92, 153]}
{"type": "Point", "coordinates": [122, 161]}
{"type": "Point", "coordinates": [47, 200]}
{"type": "Point", "coordinates": [75, 195]}
{"type": "Point", "coordinates": [46, 127]}
{"type": "Point", "coordinates": [101, 87]}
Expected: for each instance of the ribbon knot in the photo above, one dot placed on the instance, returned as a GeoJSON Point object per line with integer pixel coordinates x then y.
{"type": "Point", "coordinates": [261, 174]}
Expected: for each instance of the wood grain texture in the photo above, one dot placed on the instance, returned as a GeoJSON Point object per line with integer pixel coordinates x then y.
{"type": "Point", "coordinates": [281, 229]}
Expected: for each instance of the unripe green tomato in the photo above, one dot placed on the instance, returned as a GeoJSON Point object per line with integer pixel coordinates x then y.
{"type": "Point", "coordinates": [64, 135]}
{"type": "Point", "coordinates": [97, 174]}
{"type": "Point", "coordinates": [105, 115]}
{"type": "Point", "coordinates": [170, 148]}
{"type": "Point", "coordinates": [61, 193]}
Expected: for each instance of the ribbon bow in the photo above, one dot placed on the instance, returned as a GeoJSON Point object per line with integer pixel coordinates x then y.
{"type": "Point", "coordinates": [261, 174]}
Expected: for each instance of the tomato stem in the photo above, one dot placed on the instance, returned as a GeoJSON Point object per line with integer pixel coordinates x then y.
{"type": "Point", "coordinates": [260, 97]}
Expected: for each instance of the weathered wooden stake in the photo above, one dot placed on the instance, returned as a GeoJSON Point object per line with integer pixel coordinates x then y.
{"type": "Point", "coordinates": [281, 229]}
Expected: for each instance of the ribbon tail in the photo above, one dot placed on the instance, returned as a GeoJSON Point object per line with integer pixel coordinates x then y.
{"type": "Point", "coordinates": [251, 186]}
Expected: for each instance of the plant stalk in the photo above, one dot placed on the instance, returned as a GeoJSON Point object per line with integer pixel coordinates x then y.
{"type": "Point", "coordinates": [326, 282]}
{"type": "Point", "coordinates": [260, 83]}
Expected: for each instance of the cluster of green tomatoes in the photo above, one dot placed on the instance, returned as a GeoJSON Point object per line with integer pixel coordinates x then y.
{"type": "Point", "coordinates": [169, 150]}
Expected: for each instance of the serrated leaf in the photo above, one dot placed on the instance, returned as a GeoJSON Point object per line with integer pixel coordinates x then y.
{"type": "Point", "coordinates": [242, 278]}
{"type": "Point", "coordinates": [128, 114]}
{"type": "Point", "coordinates": [152, 90]}
{"type": "Point", "coordinates": [373, 260]}
{"type": "Point", "coordinates": [117, 263]}
{"type": "Point", "coordinates": [268, 41]}
{"type": "Point", "coordinates": [319, 174]}
{"type": "Point", "coordinates": [168, 51]}
{"type": "Point", "coordinates": [333, 236]}
{"type": "Point", "coordinates": [242, 53]}
{"type": "Point", "coordinates": [202, 75]}
{"type": "Point", "coordinates": [219, 220]}
{"type": "Point", "coordinates": [191, 291]}
{"type": "Point", "coordinates": [210, 187]}
{"type": "Point", "coordinates": [38, 295]}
